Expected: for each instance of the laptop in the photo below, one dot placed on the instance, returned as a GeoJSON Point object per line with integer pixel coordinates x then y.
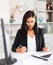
{"type": "Point", "coordinates": [8, 60]}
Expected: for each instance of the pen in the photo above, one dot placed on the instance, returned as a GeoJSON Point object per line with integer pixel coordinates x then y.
{"type": "Point", "coordinates": [39, 57]}
{"type": "Point", "coordinates": [20, 45]}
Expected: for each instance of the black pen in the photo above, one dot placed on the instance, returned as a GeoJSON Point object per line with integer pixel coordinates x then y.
{"type": "Point", "coordinates": [40, 57]}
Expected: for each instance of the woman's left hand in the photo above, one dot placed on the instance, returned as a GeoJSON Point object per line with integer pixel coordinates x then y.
{"type": "Point", "coordinates": [45, 49]}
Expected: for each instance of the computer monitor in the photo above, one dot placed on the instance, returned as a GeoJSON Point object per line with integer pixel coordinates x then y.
{"type": "Point", "coordinates": [7, 48]}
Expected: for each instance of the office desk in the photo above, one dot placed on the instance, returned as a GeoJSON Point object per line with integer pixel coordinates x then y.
{"type": "Point", "coordinates": [27, 59]}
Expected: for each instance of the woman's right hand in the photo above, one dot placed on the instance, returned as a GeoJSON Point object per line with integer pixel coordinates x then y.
{"type": "Point", "coordinates": [21, 50]}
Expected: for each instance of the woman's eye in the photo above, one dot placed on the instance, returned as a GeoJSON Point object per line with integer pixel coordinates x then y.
{"type": "Point", "coordinates": [27, 21]}
{"type": "Point", "coordinates": [31, 21]}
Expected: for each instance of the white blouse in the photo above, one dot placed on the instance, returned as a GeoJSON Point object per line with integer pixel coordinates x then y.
{"type": "Point", "coordinates": [31, 43]}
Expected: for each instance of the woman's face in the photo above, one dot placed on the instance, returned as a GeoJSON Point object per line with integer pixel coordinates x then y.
{"type": "Point", "coordinates": [30, 23]}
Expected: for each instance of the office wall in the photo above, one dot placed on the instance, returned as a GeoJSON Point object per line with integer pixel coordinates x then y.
{"type": "Point", "coordinates": [28, 5]}
{"type": "Point", "coordinates": [4, 13]}
{"type": "Point", "coordinates": [4, 10]}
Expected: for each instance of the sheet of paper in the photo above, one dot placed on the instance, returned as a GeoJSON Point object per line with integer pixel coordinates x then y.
{"type": "Point", "coordinates": [27, 59]}
{"type": "Point", "coordinates": [38, 53]}
{"type": "Point", "coordinates": [22, 55]}
{"type": "Point", "coordinates": [33, 61]}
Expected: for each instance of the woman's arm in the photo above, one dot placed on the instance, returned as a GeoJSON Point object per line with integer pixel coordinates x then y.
{"type": "Point", "coordinates": [44, 48]}
{"type": "Point", "coordinates": [16, 46]}
{"type": "Point", "coordinates": [16, 41]}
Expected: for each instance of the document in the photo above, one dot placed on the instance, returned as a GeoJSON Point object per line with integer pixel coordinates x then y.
{"type": "Point", "coordinates": [27, 59]}
{"type": "Point", "coordinates": [29, 53]}
{"type": "Point", "coordinates": [39, 54]}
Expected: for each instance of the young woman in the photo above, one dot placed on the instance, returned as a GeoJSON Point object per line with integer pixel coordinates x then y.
{"type": "Point", "coordinates": [29, 37]}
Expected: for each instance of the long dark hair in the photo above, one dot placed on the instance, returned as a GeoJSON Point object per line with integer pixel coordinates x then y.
{"type": "Point", "coordinates": [25, 17]}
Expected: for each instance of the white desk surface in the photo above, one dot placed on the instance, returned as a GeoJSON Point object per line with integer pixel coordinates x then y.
{"type": "Point", "coordinates": [27, 59]}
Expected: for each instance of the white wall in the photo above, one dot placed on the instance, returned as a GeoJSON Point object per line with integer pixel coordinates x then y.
{"type": "Point", "coordinates": [28, 5]}
{"type": "Point", "coordinates": [4, 10]}
{"type": "Point", "coordinates": [4, 13]}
